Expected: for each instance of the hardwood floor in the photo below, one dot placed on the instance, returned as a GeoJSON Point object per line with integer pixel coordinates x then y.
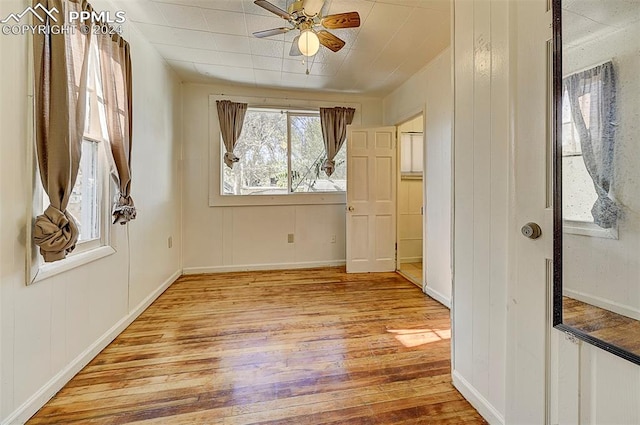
{"type": "Point", "coordinates": [283, 347]}
{"type": "Point", "coordinates": [614, 328]}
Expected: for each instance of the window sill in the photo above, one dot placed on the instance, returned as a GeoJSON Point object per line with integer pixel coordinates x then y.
{"type": "Point", "coordinates": [48, 270]}
{"type": "Point", "coordinates": [273, 200]}
{"type": "Point", "coordinates": [584, 228]}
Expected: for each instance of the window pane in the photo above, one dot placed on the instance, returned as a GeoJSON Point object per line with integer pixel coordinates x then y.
{"type": "Point", "coordinates": [84, 204]}
{"type": "Point", "coordinates": [578, 192]}
{"type": "Point", "coordinates": [262, 149]}
{"type": "Point", "coordinates": [308, 155]}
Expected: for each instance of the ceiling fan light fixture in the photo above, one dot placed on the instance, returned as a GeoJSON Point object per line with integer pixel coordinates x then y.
{"type": "Point", "coordinates": [308, 43]}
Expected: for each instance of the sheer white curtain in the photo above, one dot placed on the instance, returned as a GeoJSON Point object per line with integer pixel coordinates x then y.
{"type": "Point", "coordinates": [596, 125]}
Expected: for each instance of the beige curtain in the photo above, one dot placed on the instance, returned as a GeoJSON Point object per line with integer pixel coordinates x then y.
{"type": "Point", "coordinates": [60, 62]}
{"type": "Point", "coordinates": [115, 75]}
{"type": "Point", "coordinates": [334, 122]}
{"type": "Point", "coordinates": [231, 117]}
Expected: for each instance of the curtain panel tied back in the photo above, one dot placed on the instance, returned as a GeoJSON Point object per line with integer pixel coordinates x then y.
{"type": "Point", "coordinates": [597, 139]}
{"type": "Point", "coordinates": [334, 122]}
{"type": "Point", "coordinates": [60, 62]}
{"type": "Point", "coordinates": [231, 118]}
{"type": "Point", "coordinates": [115, 74]}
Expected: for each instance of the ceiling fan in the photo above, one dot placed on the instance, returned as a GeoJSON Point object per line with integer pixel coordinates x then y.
{"type": "Point", "coordinates": [304, 15]}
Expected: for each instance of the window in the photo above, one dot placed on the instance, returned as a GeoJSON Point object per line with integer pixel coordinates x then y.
{"type": "Point", "coordinates": [411, 155]}
{"type": "Point", "coordinates": [89, 202]}
{"type": "Point", "coordinates": [282, 152]}
{"type": "Point", "coordinates": [579, 195]}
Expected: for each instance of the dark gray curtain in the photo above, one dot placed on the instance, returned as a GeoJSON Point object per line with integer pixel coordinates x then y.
{"type": "Point", "coordinates": [597, 139]}
{"type": "Point", "coordinates": [60, 62]}
{"type": "Point", "coordinates": [231, 117]}
{"type": "Point", "coordinates": [334, 122]}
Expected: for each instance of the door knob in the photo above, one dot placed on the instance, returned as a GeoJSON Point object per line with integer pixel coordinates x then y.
{"type": "Point", "coordinates": [350, 209]}
{"type": "Point", "coordinates": [531, 230]}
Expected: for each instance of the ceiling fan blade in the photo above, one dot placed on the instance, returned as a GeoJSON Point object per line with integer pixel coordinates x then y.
{"type": "Point", "coordinates": [273, 9]}
{"type": "Point", "coordinates": [330, 41]}
{"type": "Point", "coordinates": [295, 50]}
{"type": "Point", "coordinates": [313, 7]}
{"type": "Point", "coordinates": [269, 33]}
{"type": "Point", "coordinates": [341, 20]}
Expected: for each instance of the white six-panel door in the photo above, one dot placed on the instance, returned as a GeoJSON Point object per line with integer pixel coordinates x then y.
{"type": "Point", "coordinates": [371, 199]}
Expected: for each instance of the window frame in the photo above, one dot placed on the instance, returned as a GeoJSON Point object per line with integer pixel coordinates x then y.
{"type": "Point", "coordinates": [85, 252]}
{"type": "Point", "coordinates": [216, 199]}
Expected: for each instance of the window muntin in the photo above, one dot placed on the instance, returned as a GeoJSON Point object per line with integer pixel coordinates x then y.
{"type": "Point", "coordinates": [282, 152]}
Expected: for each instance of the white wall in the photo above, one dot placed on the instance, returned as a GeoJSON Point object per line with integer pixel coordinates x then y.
{"type": "Point", "coordinates": [601, 271]}
{"type": "Point", "coordinates": [501, 367]}
{"type": "Point", "coordinates": [430, 91]}
{"type": "Point", "coordinates": [50, 329]}
{"type": "Point", "coordinates": [481, 201]}
{"type": "Point", "coordinates": [254, 237]}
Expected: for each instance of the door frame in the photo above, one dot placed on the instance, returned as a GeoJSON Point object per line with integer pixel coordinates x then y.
{"type": "Point", "coordinates": [419, 113]}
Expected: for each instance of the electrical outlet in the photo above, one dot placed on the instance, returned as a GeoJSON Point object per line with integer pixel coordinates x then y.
{"type": "Point", "coordinates": [170, 241]}
{"type": "Point", "coordinates": [290, 238]}
{"type": "Point", "coordinates": [333, 238]}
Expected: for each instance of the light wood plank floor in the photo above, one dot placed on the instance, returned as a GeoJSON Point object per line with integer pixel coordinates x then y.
{"type": "Point", "coordinates": [284, 347]}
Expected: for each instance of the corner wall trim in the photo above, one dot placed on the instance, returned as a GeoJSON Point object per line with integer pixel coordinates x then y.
{"type": "Point", "coordinates": [438, 296]}
{"type": "Point", "coordinates": [55, 384]}
{"type": "Point", "coordinates": [477, 400]}
{"type": "Point", "coordinates": [253, 267]}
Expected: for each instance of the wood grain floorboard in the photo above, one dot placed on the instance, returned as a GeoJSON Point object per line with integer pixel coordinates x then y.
{"type": "Point", "coordinates": [313, 347]}
{"type": "Point", "coordinates": [618, 330]}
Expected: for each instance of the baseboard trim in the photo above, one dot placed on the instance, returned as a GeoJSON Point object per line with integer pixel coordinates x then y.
{"type": "Point", "coordinates": [604, 303]}
{"type": "Point", "coordinates": [255, 267]}
{"type": "Point", "coordinates": [55, 384]}
{"type": "Point", "coordinates": [437, 296]}
{"type": "Point", "coordinates": [481, 404]}
{"type": "Point", "coordinates": [410, 260]}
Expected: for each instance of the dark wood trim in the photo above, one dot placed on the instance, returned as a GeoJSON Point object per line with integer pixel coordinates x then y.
{"type": "Point", "coordinates": [557, 161]}
{"type": "Point", "coordinates": [599, 343]}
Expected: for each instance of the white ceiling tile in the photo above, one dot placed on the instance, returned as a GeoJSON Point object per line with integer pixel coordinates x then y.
{"type": "Point", "coordinates": [224, 22]}
{"type": "Point", "coordinates": [326, 55]}
{"type": "Point", "coordinates": [294, 80]}
{"type": "Point", "coordinates": [268, 78]}
{"type": "Point", "coordinates": [183, 16]}
{"type": "Point", "coordinates": [227, 73]}
{"type": "Point", "coordinates": [230, 5]}
{"type": "Point", "coordinates": [178, 37]}
{"type": "Point", "coordinates": [138, 11]}
{"type": "Point", "coordinates": [267, 47]}
{"type": "Point", "coordinates": [617, 13]}
{"type": "Point", "coordinates": [295, 66]}
{"type": "Point", "coordinates": [186, 71]}
{"type": "Point", "coordinates": [210, 40]}
{"type": "Point", "coordinates": [232, 43]}
{"type": "Point", "coordinates": [260, 23]}
{"type": "Point", "coordinates": [235, 59]}
{"type": "Point", "coordinates": [342, 6]}
{"type": "Point", "coordinates": [325, 69]}
{"type": "Point", "coordinates": [178, 53]}
{"type": "Point", "coordinates": [254, 9]}
{"type": "Point", "coordinates": [267, 63]}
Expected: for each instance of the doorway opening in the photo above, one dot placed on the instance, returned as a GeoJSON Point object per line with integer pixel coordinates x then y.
{"type": "Point", "coordinates": [410, 203]}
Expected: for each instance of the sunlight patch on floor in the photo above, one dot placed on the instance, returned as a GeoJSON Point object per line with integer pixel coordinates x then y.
{"type": "Point", "coordinates": [415, 337]}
